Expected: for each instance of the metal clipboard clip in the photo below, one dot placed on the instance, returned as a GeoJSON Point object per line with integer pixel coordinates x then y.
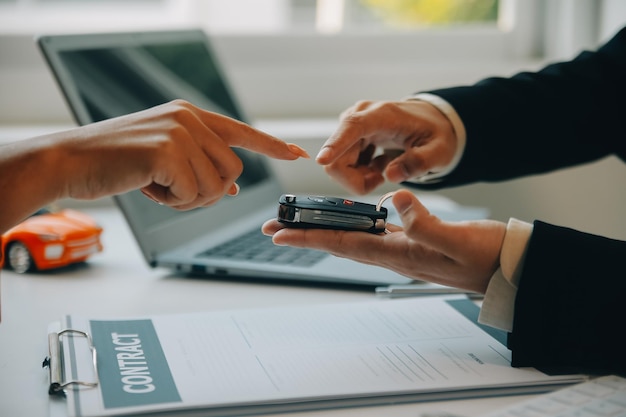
{"type": "Point", "coordinates": [54, 362]}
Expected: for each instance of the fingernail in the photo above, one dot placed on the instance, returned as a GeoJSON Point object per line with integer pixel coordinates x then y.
{"type": "Point", "coordinates": [277, 243]}
{"type": "Point", "coordinates": [396, 172]}
{"type": "Point", "coordinates": [296, 150]}
{"type": "Point", "coordinates": [324, 153]}
{"type": "Point", "coordinates": [151, 197]}
{"type": "Point", "coordinates": [402, 202]}
{"type": "Point", "coordinates": [234, 190]}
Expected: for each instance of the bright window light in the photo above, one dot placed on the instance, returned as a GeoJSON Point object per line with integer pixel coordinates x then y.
{"type": "Point", "coordinates": [329, 16]}
{"type": "Point", "coordinates": [245, 16]}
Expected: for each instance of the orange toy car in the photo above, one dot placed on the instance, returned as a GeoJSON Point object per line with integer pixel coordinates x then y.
{"type": "Point", "coordinates": [49, 240]}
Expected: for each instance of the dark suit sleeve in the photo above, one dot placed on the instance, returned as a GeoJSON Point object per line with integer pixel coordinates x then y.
{"type": "Point", "coordinates": [569, 310]}
{"type": "Point", "coordinates": [534, 122]}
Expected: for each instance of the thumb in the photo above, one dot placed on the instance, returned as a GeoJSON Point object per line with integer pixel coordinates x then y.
{"type": "Point", "coordinates": [409, 208]}
{"type": "Point", "coordinates": [419, 224]}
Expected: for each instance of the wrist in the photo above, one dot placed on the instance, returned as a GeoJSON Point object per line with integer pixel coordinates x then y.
{"type": "Point", "coordinates": [31, 185]}
{"type": "Point", "coordinates": [458, 128]}
{"type": "Point", "coordinates": [53, 164]}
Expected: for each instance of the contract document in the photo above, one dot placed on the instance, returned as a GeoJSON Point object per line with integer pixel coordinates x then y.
{"type": "Point", "coordinates": [259, 361]}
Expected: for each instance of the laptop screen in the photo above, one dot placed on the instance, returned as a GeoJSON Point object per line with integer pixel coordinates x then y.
{"type": "Point", "coordinates": [117, 80]}
{"type": "Point", "coordinates": [109, 75]}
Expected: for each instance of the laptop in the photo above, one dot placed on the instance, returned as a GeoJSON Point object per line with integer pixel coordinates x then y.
{"type": "Point", "coordinates": [104, 75]}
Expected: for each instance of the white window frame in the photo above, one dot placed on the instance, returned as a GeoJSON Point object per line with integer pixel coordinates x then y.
{"type": "Point", "coordinates": [306, 74]}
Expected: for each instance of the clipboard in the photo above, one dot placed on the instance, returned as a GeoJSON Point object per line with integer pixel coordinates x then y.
{"type": "Point", "coordinates": [59, 381]}
{"type": "Point", "coordinates": [282, 359]}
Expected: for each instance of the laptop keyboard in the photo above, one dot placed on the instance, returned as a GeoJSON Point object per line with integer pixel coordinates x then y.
{"type": "Point", "coordinates": [254, 246]}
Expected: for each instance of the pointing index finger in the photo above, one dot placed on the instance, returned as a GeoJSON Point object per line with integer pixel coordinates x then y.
{"type": "Point", "coordinates": [347, 134]}
{"type": "Point", "coordinates": [239, 134]}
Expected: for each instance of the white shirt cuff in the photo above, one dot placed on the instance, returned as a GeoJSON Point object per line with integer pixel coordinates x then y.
{"type": "Point", "coordinates": [499, 303]}
{"type": "Point", "coordinates": [459, 129]}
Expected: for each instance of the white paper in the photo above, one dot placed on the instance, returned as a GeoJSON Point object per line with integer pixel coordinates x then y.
{"type": "Point", "coordinates": [325, 352]}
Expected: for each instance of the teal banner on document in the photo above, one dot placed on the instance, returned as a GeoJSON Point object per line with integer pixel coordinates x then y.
{"type": "Point", "coordinates": [132, 367]}
{"type": "Point", "coordinates": [471, 311]}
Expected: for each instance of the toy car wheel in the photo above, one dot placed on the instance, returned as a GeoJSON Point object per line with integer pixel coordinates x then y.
{"type": "Point", "coordinates": [19, 258]}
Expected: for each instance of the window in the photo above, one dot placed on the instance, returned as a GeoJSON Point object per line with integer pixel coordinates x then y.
{"type": "Point", "coordinates": [249, 16]}
{"type": "Point", "coordinates": [339, 51]}
{"type": "Point", "coordinates": [303, 58]}
{"type": "Point", "coordinates": [340, 15]}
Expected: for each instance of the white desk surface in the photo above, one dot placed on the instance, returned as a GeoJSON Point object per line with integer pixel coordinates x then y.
{"type": "Point", "coordinates": [118, 282]}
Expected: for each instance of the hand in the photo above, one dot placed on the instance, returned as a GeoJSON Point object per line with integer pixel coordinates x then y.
{"type": "Point", "coordinates": [177, 154]}
{"type": "Point", "coordinates": [386, 139]}
{"type": "Point", "coordinates": [459, 254]}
